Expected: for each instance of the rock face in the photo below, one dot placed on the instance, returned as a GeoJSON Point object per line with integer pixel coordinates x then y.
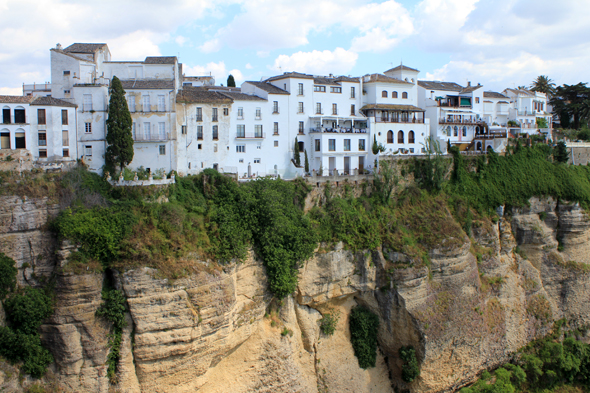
{"type": "Point", "coordinates": [218, 330]}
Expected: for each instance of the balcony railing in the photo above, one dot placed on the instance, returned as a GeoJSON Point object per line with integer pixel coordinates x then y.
{"type": "Point", "coordinates": [339, 130]}
{"type": "Point", "coordinates": [151, 138]}
{"type": "Point", "coordinates": [460, 121]}
{"type": "Point", "coordinates": [251, 135]}
{"type": "Point", "coordinates": [527, 113]}
{"type": "Point", "coordinates": [397, 120]}
{"type": "Point", "coordinates": [447, 105]}
{"type": "Point", "coordinates": [490, 135]}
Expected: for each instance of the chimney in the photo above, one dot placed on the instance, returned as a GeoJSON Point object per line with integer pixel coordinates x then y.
{"type": "Point", "coordinates": [58, 46]}
{"type": "Point", "coordinates": [468, 83]}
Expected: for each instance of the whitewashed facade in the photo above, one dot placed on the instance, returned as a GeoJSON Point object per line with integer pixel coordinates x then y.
{"type": "Point", "coordinates": [526, 107]}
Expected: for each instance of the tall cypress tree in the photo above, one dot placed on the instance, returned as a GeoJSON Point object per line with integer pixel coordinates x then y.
{"type": "Point", "coordinates": [231, 82]}
{"type": "Point", "coordinates": [296, 153]}
{"type": "Point", "coordinates": [119, 137]}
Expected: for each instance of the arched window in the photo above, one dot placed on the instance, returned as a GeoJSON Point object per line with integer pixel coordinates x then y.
{"type": "Point", "coordinates": [394, 94]}
{"type": "Point", "coordinates": [389, 136]}
{"type": "Point", "coordinates": [19, 115]}
{"type": "Point", "coordinates": [478, 146]}
{"type": "Point", "coordinates": [384, 94]}
{"type": "Point", "coordinates": [6, 115]}
{"type": "Point", "coordinates": [464, 131]}
{"type": "Point", "coordinates": [455, 131]}
{"type": "Point", "coordinates": [5, 138]}
{"type": "Point", "coordinates": [400, 137]}
{"type": "Point", "coordinates": [405, 94]}
{"type": "Point", "coordinates": [411, 137]}
{"type": "Point", "coordinates": [449, 130]}
{"type": "Point", "coordinates": [477, 129]}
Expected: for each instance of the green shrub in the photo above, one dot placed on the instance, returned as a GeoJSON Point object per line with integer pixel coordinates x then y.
{"type": "Point", "coordinates": [8, 273]}
{"type": "Point", "coordinates": [328, 322]}
{"type": "Point", "coordinates": [363, 336]}
{"type": "Point", "coordinates": [113, 310]}
{"type": "Point", "coordinates": [28, 309]}
{"type": "Point", "coordinates": [410, 367]}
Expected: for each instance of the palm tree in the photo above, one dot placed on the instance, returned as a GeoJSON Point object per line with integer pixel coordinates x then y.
{"type": "Point", "coordinates": [543, 85]}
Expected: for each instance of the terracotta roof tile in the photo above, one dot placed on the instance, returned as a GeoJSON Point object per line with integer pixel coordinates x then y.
{"type": "Point", "coordinates": [434, 85]}
{"type": "Point", "coordinates": [160, 60]}
{"type": "Point", "coordinates": [83, 48]}
{"type": "Point", "coordinates": [196, 95]}
{"type": "Point", "coordinates": [16, 99]}
{"type": "Point", "coordinates": [402, 67]}
{"type": "Point", "coordinates": [383, 78]}
{"type": "Point", "coordinates": [269, 88]}
{"type": "Point", "coordinates": [50, 101]}
{"type": "Point", "coordinates": [148, 84]}
{"type": "Point", "coordinates": [493, 94]}
{"type": "Point", "coordinates": [241, 96]}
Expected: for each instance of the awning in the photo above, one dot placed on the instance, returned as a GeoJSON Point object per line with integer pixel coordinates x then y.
{"type": "Point", "coordinates": [465, 101]}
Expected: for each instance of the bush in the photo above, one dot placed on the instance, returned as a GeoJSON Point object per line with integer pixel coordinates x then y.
{"type": "Point", "coordinates": [8, 273]}
{"type": "Point", "coordinates": [410, 367]}
{"type": "Point", "coordinates": [28, 309]}
{"type": "Point", "coordinates": [363, 336]}
{"type": "Point", "coordinates": [328, 322]}
{"type": "Point", "coordinates": [113, 310]}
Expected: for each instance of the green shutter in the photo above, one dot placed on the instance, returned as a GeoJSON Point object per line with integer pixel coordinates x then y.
{"type": "Point", "coordinates": [465, 101]}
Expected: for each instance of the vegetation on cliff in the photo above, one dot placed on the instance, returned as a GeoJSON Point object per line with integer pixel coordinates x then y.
{"type": "Point", "coordinates": [363, 335]}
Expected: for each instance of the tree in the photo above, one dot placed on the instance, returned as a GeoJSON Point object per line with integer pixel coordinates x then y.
{"type": "Point", "coordinates": [572, 102]}
{"type": "Point", "coordinates": [296, 155]}
{"type": "Point", "coordinates": [543, 85]}
{"type": "Point", "coordinates": [385, 181]}
{"type": "Point", "coordinates": [561, 154]}
{"type": "Point", "coordinates": [231, 81]}
{"type": "Point", "coordinates": [119, 137]}
{"type": "Point", "coordinates": [306, 162]}
{"type": "Point", "coordinates": [430, 172]}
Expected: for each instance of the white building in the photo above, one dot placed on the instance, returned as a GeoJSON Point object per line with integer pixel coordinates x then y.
{"type": "Point", "coordinates": [526, 107]}
{"type": "Point", "coordinates": [43, 125]}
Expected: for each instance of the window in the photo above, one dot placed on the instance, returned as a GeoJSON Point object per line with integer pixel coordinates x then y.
{"type": "Point", "coordinates": [162, 150]}
{"type": "Point", "coordinates": [214, 114]}
{"type": "Point", "coordinates": [332, 144]}
{"type": "Point", "coordinates": [42, 153]}
{"type": "Point", "coordinates": [258, 131]}
{"type": "Point", "coordinates": [257, 160]}
{"type": "Point", "coordinates": [19, 140]}
{"type": "Point", "coordinates": [65, 138]}
{"type": "Point", "coordinates": [225, 111]}
{"type": "Point", "coordinates": [275, 129]}
{"type": "Point", "coordinates": [200, 133]}
{"type": "Point", "coordinates": [200, 146]}
{"type": "Point", "coordinates": [301, 127]}
{"type": "Point", "coordinates": [162, 130]}
{"type": "Point", "coordinates": [199, 114]}
{"type": "Point", "coordinates": [321, 89]}
{"type": "Point", "coordinates": [131, 103]}
{"type": "Point", "coordinates": [477, 100]}
{"type": "Point", "coordinates": [384, 94]}
{"type": "Point", "coordinates": [275, 107]}
{"type": "Point", "coordinates": [259, 146]}
{"type": "Point", "coordinates": [215, 148]}
{"type": "Point", "coordinates": [64, 117]}
{"type": "Point", "coordinates": [455, 131]}
{"type": "Point", "coordinates": [412, 150]}
{"type": "Point", "coordinates": [215, 133]}
{"type": "Point", "coordinates": [240, 113]}
{"type": "Point", "coordinates": [300, 107]}
{"type": "Point", "coordinates": [318, 144]}
{"type": "Point", "coordinates": [361, 145]}
{"type": "Point", "coordinates": [241, 131]}
{"type": "Point", "coordinates": [400, 137]}
{"type": "Point", "coordinates": [88, 151]}
{"type": "Point", "coordinates": [352, 110]}
{"type": "Point", "coordinates": [41, 116]}
{"type": "Point", "coordinates": [66, 152]}
{"type": "Point", "coordinates": [411, 137]}
{"type": "Point", "coordinates": [318, 108]}
{"type": "Point", "coordinates": [276, 143]}
{"type": "Point", "coordinates": [88, 127]}
{"type": "Point", "coordinates": [258, 114]}
{"type": "Point", "coordinates": [161, 103]}
{"type": "Point", "coordinates": [300, 89]}
{"type": "Point", "coordinates": [405, 95]}
{"type": "Point", "coordinates": [133, 130]}
{"type": "Point", "coordinates": [241, 160]}
{"type": "Point", "coordinates": [6, 115]}
{"type": "Point", "coordinates": [19, 116]}
{"type": "Point", "coordinates": [183, 130]}
{"type": "Point", "coordinates": [147, 131]}
{"type": "Point", "coordinates": [42, 139]}
{"type": "Point", "coordinates": [87, 102]}
{"type": "Point", "coordinates": [240, 148]}
{"type": "Point", "coordinates": [347, 145]}
{"type": "Point", "coordinates": [394, 94]}
{"type": "Point", "coordinates": [146, 103]}
{"type": "Point", "coordinates": [352, 92]}
{"type": "Point", "coordinates": [464, 131]}
{"type": "Point", "coordinates": [389, 136]}
{"type": "Point", "coordinates": [335, 90]}
{"type": "Point", "coordinates": [334, 109]}
{"type": "Point", "coordinates": [187, 84]}
{"type": "Point", "coordinates": [66, 72]}
{"type": "Point", "coordinates": [65, 92]}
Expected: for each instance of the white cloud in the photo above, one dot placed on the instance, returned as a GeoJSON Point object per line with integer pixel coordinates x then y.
{"type": "Point", "coordinates": [339, 61]}
{"type": "Point", "coordinates": [248, 66]}
{"type": "Point", "coordinates": [11, 91]}
{"type": "Point", "coordinates": [180, 40]}
{"type": "Point", "coordinates": [238, 76]}
{"type": "Point", "coordinates": [210, 46]}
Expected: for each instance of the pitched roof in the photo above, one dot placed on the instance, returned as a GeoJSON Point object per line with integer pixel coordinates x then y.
{"type": "Point", "coordinates": [241, 96]}
{"type": "Point", "coordinates": [402, 67]}
{"type": "Point", "coordinates": [493, 94]}
{"type": "Point", "coordinates": [469, 89]}
{"type": "Point", "coordinates": [290, 75]}
{"type": "Point", "coordinates": [435, 85]}
{"type": "Point", "coordinates": [198, 95]}
{"type": "Point", "coordinates": [347, 79]}
{"type": "Point", "coordinates": [70, 55]}
{"type": "Point", "coordinates": [50, 101]}
{"type": "Point", "coordinates": [384, 78]}
{"type": "Point", "coordinates": [16, 99]}
{"type": "Point", "coordinates": [318, 80]}
{"type": "Point", "coordinates": [147, 84]}
{"type": "Point", "coordinates": [393, 107]}
{"type": "Point", "coordinates": [160, 60]}
{"type": "Point", "coordinates": [269, 88]}
{"type": "Point", "coordinates": [83, 48]}
{"type": "Point", "coordinates": [521, 91]}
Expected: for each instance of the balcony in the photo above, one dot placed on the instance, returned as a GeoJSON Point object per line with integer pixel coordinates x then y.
{"type": "Point", "coordinates": [527, 113]}
{"type": "Point", "coordinates": [397, 120]}
{"type": "Point", "coordinates": [490, 135]}
{"type": "Point", "coordinates": [151, 138]}
{"type": "Point", "coordinates": [470, 122]}
{"type": "Point", "coordinates": [338, 130]}
{"type": "Point", "coordinates": [450, 105]}
{"type": "Point", "coordinates": [251, 135]}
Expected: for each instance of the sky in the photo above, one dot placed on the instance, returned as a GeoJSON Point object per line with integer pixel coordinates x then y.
{"type": "Point", "coordinates": [498, 43]}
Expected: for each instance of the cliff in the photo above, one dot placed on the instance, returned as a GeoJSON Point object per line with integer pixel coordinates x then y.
{"type": "Point", "coordinates": [218, 329]}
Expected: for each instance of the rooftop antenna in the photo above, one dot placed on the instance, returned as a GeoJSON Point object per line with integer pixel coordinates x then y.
{"type": "Point", "coordinates": [280, 69]}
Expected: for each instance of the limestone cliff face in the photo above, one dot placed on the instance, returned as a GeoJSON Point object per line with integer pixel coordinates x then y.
{"type": "Point", "coordinates": [218, 330]}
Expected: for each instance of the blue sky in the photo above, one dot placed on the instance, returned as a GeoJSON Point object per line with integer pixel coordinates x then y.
{"type": "Point", "coordinates": [498, 43]}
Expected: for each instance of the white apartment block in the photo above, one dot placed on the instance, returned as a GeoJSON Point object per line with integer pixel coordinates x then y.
{"type": "Point", "coordinates": [526, 107]}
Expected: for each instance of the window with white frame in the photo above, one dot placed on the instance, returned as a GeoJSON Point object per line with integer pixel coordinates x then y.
{"type": "Point", "coordinates": [335, 90]}
{"type": "Point", "coordinates": [332, 144]}
{"type": "Point", "coordinates": [320, 89]}
{"type": "Point", "coordinates": [334, 109]}
{"type": "Point", "coordinates": [276, 143]}
{"type": "Point", "coordinates": [258, 131]}
{"type": "Point", "coordinates": [275, 107]}
{"type": "Point", "coordinates": [301, 127]}
{"type": "Point", "coordinates": [318, 108]}
{"type": "Point", "coordinates": [241, 130]}
{"type": "Point", "coordinates": [318, 144]}
{"type": "Point", "coordinates": [275, 129]}
{"type": "Point", "coordinates": [42, 139]}
{"type": "Point", "coordinates": [240, 113]}
{"type": "Point", "coordinates": [300, 89]}
{"type": "Point", "coordinates": [300, 107]}
{"type": "Point", "coordinates": [131, 103]}
{"type": "Point", "coordinates": [257, 160]}
{"type": "Point", "coordinates": [162, 130]}
{"type": "Point", "coordinates": [361, 145]}
{"type": "Point", "coordinates": [352, 110]}
{"type": "Point", "coordinates": [225, 111]}
{"type": "Point", "coordinates": [161, 103]}
{"type": "Point", "coordinates": [240, 148]}
{"type": "Point", "coordinates": [88, 127]}
{"type": "Point", "coordinates": [88, 151]}
{"type": "Point", "coordinates": [65, 138]}
{"type": "Point", "coordinates": [199, 133]}
{"type": "Point", "coordinates": [87, 102]}
{"type": "Point", "coordinates": [147, 131]}
{"type": "Point", "coordinates": [352, 92]}
{"type": "Point", "coordinates": [199, 114]}
{"type": "Point", "coordinates": [215, 133]}
{"type": "Point", "coordinates": [146, 104]}
{"type": "Point", "coordinates": [214, 115]}
{"type": "Point", "coordinates": [183, 130]}
{"type": "Point", "coordinates": [347, 145]}
{"type": "Point", "coordinates": [64, 117]}
{"type": "Point", "coordinates": [258, 113]}
{"type": "Point", "coordinates": [162, 150]}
